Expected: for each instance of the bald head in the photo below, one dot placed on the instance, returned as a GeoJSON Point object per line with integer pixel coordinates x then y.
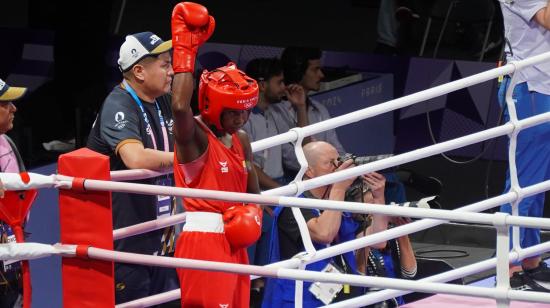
{"type": "Point", "coordinates": [318, 152]}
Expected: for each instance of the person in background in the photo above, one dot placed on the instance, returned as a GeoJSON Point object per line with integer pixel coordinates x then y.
{"type": "Point", "coordinates": [10, 161]}
{"type": "Point", "coordinates": [268, 163]}
{"type": "Point", "coordinates": [134, 128]}
{"type": "Point", "coordinates": [302, 69]}
{"type": "Point", "coordinates": [328, 227]}
{"type": "Point", "coordinates": [261, 123]}
{"type": "Point", "coordinates": [527, 34]}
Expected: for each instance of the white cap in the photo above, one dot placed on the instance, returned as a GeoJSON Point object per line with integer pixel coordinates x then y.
{"type": "Point", "coordinates": [138, 46]}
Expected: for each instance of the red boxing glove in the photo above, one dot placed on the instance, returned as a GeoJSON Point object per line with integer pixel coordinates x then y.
{"type": "Point", "coordinates": [191, 27]}
{"type": "Point", "coordinates": [242, 225]}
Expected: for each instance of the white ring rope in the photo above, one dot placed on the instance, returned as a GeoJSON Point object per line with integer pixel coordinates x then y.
{"type": "Point", "coordinates": [152, 300]}
{"type": "Point", "coordinates": [284, 273]}
{"type": "Point", "coordinates": [137, 174]}
{"type": "Point", "coordinates": [148, 226]}
{"type": "Point", "coordinates": [355, 207]}
{"type": "Point", "coordinates": [29, 251]}
{"type": "Point", "coordinates": [294, 274]}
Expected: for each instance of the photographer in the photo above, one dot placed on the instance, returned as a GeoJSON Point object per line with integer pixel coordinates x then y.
{"type": "Point", "coordinates": [395, 260]}
{"type": "Point", "coordinates": [328, 227]}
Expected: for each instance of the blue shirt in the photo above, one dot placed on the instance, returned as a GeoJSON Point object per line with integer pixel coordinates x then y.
{"type": "Point", "coordinates": [280, 292]}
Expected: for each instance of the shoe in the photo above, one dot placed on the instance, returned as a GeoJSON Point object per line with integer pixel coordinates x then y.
{"type": "Point", "coordinates": [539, 273]}
{"type": "Point", "coordinates": [522, 282]}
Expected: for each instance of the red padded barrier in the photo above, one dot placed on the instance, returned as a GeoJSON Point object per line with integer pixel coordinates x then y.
{"type": "Point", "coordinates": [14, 208]}
{"type": "Point", "coordinates": [86, 219]}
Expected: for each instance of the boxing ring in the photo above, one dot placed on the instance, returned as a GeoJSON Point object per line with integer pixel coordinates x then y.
{"type": "Point", "coordinates": [85, 203]}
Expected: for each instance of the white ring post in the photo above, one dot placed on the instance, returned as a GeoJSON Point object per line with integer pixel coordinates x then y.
{"type": "Point", "coordinates": [503, 270]}
{"type": "Point", "coordinates": [302, 224]}
{"type": "Point", "coordinates": [299, 289]}
{"type": "Point", "coordinates": [514, 182]}
{"type": "Point", "coordinates": [300, 156]}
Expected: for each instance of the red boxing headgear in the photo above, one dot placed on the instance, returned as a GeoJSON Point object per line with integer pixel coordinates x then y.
{"type": "Point", "coordinates": [226, 87]}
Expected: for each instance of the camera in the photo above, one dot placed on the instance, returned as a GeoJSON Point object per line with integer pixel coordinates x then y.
{"type": "Point", "coordinates": [431, 202]}
{"type": "Point", "coordinates": [424, 203]}
{"type": "Point", "coordinates": [361, 160]}
{"type": "Point", "coordinates": [358, 188]}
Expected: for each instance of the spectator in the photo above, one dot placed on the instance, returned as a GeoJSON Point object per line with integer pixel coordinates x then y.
{"type": "Point", "coordinates": [302, 67]}
{"type": "Point", "coordinates": [326, 227]}
{"type": "Point", "coordinates": [11, 280]}
{"type": "Point", "coordinates": [527, 25]}
{"type": "Point", "coordinates": [268, 163]}
{"type": "Point", "coordinates": [261, 122]}
{"type": "Point", "coordinates": [134, 128]}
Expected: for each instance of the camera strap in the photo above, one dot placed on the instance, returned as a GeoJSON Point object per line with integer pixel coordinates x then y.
{"type": "Point", "coordinates": [376, 259]}
{"type": "Point", "coordinates": [376, 265]}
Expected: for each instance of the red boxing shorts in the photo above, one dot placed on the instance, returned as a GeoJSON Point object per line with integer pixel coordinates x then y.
{"type": "Point", "coordinates": [202, 238]}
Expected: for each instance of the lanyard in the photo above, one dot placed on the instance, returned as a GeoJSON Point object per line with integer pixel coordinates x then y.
{"type": "Point", "coordinates": [149, 129]}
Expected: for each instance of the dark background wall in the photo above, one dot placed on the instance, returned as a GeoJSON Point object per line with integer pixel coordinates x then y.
{"type": "Point", "coordinates": [336, 25]}
{"type": "Point", "coordinates": [332, 25]}
{"type": "Point", "coordinates": [347, 25]}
